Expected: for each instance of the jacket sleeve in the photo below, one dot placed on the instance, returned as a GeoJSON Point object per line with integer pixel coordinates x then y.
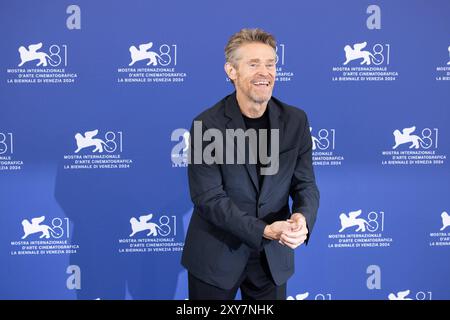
{"type": "Point", "coordinates": [304, 192]}
{"type": "Point", "coordinates": [214, 205]}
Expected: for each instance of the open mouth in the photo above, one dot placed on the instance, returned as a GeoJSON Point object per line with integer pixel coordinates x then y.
{"type": "Point", "coordinates": [262, 83]}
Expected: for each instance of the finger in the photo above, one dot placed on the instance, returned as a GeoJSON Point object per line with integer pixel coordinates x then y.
{"type": "Point", "coordinates": [296, 234]}
{"type": "Point", "coordinates": [293, 246]}
{"type": "Point", "coordinates": [291, 227]}
{"type": "Point", "coordinates": [293, 241]}
{"type": "Point", "coordinates": [294, 225]}
{"type": "Point", "coordinates": [301, 228]}
{"type": "Point", "coordinates": [301, 221]}
{"type": "Point", "coordinates": [298, 217]}
{"type": "Point", "coordinates": [289, 240]}
{"type": "Point", "coordinates": [292, 235]}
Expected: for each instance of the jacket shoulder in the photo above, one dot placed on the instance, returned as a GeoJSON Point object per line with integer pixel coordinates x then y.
{"type": "Point", "coordinates": [290, 112]}
{"type": "Point", "coordinates": [212, 112]}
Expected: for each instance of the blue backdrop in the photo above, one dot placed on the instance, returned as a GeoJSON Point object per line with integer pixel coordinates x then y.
{"type": "Point", "coordinates": [95, 97]}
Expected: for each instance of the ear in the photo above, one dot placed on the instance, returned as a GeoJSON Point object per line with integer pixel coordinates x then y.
{"type": "Point", "coordinates": [230, 70]}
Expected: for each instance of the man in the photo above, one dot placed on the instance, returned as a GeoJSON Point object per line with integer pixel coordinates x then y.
{"type": "Point", "coordinates": [242, 233]}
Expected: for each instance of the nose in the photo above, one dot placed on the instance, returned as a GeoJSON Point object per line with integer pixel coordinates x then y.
{"type": "Point", "coordinates": [263, 70]}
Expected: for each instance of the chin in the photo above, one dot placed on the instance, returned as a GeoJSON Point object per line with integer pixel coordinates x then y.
{"type": "Point", "coordinates": [262, 98]}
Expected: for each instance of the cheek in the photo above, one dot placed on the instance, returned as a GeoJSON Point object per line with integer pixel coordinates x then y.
{"type": "Point", "coordinates": [244, 79]}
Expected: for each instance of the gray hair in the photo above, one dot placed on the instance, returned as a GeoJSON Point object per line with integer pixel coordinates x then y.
{"type": "Point", "coordinates": [247, 36]}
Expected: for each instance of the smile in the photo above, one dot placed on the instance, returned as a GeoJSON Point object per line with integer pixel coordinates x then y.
{"type": "Point", "coordinates": [261, 83]}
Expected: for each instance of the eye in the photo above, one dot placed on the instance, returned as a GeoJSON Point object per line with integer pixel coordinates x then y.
{"type": "Point", "coordinates": [253, 65]}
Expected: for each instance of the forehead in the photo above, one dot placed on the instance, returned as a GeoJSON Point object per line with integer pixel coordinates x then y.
{"type": "Point", "coordinates": [255, 51]}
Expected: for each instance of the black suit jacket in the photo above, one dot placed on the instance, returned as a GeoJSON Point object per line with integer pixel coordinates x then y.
{"type": "Point", "coordinates": [231, 210]}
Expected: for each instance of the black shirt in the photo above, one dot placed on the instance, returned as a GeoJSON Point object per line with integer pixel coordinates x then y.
{"type": "Point", "coordinates": [257, 124]}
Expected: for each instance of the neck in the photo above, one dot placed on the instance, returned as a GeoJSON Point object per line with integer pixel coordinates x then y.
{"type": "Point", "coordinates": [249, 108]}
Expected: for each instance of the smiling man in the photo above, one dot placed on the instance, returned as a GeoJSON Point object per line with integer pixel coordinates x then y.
{"type": "Point", "coordinates": [242, 232]}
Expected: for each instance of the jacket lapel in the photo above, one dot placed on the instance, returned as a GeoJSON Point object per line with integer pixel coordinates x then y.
{"type": "Point", "coordinates": [233, 112]}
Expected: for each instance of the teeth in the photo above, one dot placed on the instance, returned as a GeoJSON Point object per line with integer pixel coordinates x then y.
{"type": "Point", "coordinates": [261, 82]}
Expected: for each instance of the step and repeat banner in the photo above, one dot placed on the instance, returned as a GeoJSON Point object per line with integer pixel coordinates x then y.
{"type": "Point", "coordinates": [95, 101]}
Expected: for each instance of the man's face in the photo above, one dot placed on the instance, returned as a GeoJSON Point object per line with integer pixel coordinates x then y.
{"type": "Point", "coordinates": [254, 73]}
